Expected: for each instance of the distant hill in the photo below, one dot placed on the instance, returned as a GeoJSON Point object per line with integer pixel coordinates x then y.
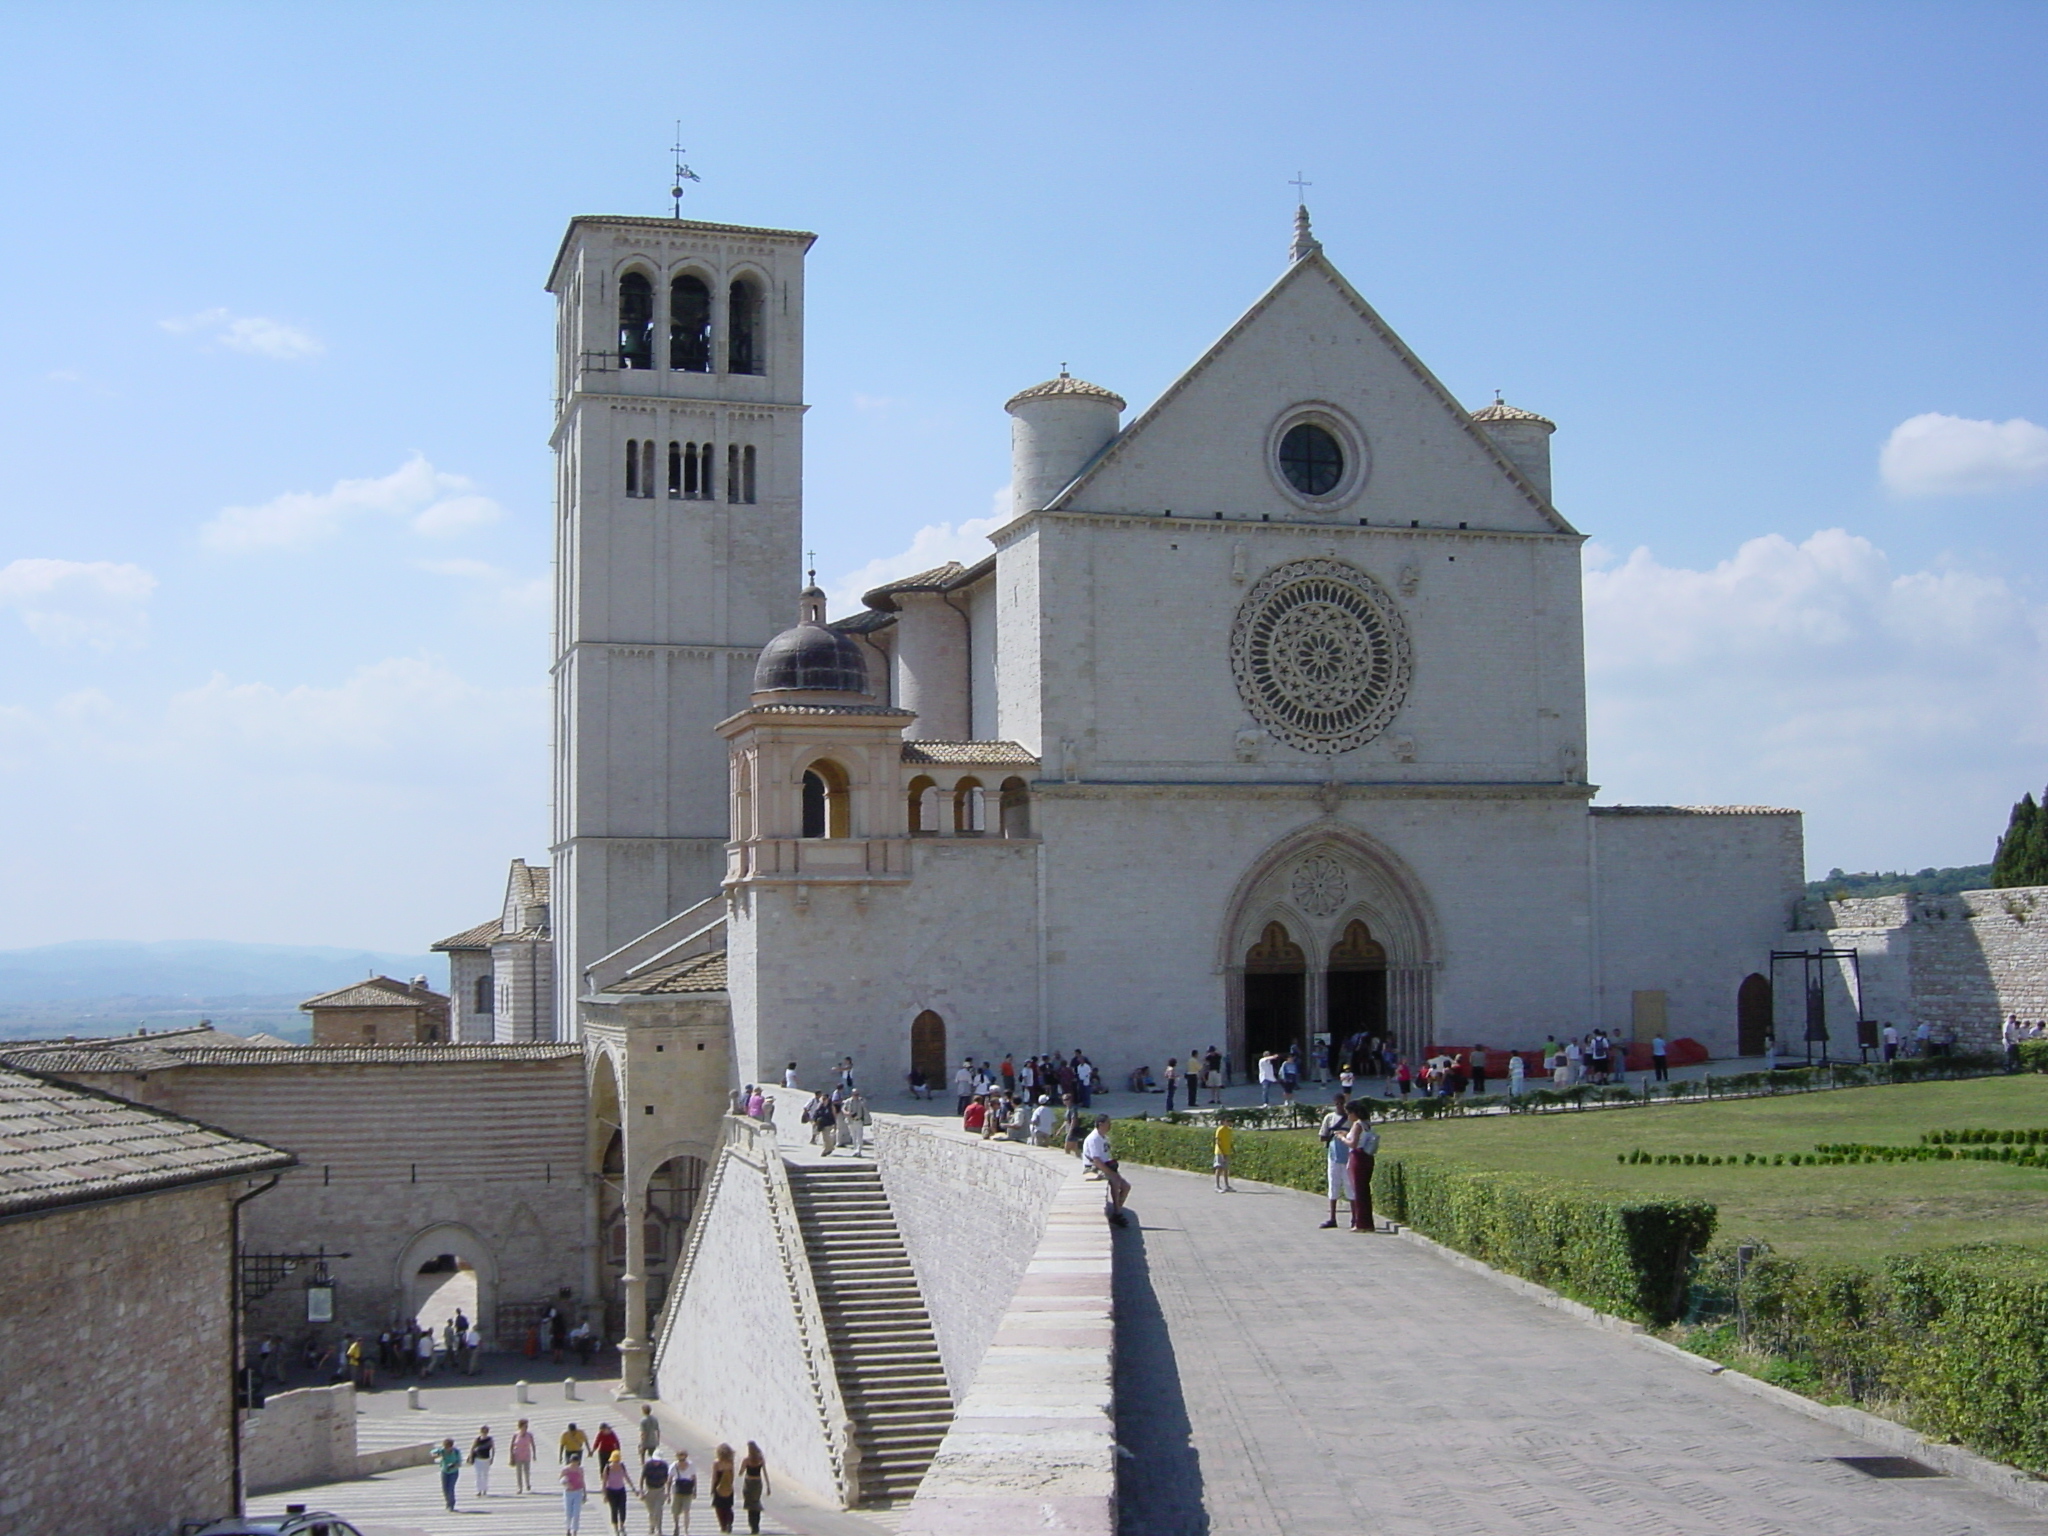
{"type": "Point", "coordinates": [98, 987]}
{"type": "Point", "coordinates": [1928, 882]}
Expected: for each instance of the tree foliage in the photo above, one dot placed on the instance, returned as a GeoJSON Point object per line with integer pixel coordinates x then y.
{"type": "Point", "coordinates": [2022, 857]}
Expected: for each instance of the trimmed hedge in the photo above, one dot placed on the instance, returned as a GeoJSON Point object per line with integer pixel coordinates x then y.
{"type": "Point", "coordinates": [1628, 1256]}
{"type": "Point", "coordinates": [1955, 1341]}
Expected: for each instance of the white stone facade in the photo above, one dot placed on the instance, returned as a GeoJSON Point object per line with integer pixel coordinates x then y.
{"type": "Point", "coordinates": [1262, 721]}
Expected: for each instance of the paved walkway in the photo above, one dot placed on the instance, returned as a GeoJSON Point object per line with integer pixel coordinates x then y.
{"type": "Point", "coordinates": [408, 1502]}
{"type": "Point", "coordinates": [1272, 1377]}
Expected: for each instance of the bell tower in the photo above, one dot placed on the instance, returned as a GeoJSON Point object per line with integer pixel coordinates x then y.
{"type": "Point", "coordinates": [678, 441]}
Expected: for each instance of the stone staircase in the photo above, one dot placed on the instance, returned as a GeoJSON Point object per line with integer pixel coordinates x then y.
{"type": "Point", "coordinates": [883, 1349]}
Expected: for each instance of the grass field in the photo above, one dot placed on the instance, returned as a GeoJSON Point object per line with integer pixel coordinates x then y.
{"type": "Point", "coordinates": [1856, 1213]}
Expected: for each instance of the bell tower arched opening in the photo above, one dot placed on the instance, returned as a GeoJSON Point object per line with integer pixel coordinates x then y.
{"type": "Point", "coordinates": [1275, 994]}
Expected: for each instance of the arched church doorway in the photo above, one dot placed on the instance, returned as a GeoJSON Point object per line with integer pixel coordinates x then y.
{"type": "Point", "coordinates": [1275, 994]}
{"type": "Point", "coordinates": [928, 1048]}
{"type": "Point", "coordinates": [672, 1195]}
{"type": "Point", "coordinates": [1752, 1015]}
{"type": "Point", "coordinates": [1356, 995]}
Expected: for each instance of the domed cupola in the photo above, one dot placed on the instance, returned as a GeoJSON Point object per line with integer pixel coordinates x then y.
{"type": "Point", "coordinates": [811, 658]}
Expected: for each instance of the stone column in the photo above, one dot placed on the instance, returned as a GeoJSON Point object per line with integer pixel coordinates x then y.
{"type": "Point", "coordinates": [635, 1352]}
{"type": "Point", "coordinates": [1315, 1017]}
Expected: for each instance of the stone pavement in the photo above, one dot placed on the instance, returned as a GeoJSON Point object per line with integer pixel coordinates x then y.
{"type": "Point", "coordinates": [408, 1502]}
{"type": "Point", "coordinates": [1273, 1377]}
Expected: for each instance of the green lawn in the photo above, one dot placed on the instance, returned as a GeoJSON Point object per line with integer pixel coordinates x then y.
{"type": "Point", "coordinates": [1856, 1213]}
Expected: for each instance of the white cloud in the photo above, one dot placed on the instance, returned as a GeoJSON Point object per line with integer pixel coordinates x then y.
{"type": "Point", "coordinates": [1903, 711]}
{"type": "Point", "coordinates": [253, 334]}
{"type": "Point", "coordinates": [933, 544]}
{"type": "Point", "coordinates": [1936, 455]}
{"type": "Point", "coordinates": [430, 502]}
{"type": "Point", "coordinates": [79, 602]}
{"type": "Point", "coordinates": [504, 592]}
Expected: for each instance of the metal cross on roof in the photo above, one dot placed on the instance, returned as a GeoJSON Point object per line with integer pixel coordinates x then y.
{"type": "Point", "coordinates": [682, 172]}
{"type": "Point", "coordinates": [1300, 187]}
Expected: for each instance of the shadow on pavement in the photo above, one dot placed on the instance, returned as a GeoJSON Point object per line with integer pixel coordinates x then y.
{"type": "Point", "coordinates": [1159, 1480]}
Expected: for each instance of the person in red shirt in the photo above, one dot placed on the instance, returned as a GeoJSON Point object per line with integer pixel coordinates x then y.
{"type": "Point", "coordinates": [602, 1447]}
{"type": "Point", "coordinates": [976, 1116]}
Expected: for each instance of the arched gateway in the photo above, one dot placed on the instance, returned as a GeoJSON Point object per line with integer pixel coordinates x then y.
{"type": "Point", "coordinates": [1329, 940]}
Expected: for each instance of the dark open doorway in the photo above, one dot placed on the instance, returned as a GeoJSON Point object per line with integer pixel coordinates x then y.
{"type": "Point", "coordinates": [1357, 996]}
{"type": "Point", "coordinates": [1275, 994]}
{"type": "Point", "coordinates": [1752, 1015]}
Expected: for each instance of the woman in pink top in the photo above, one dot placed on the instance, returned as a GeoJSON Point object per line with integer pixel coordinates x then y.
{"type": "Point", "coordinates": [521, 1452]}
{"type": "Point", "coordinates": [573, 1490]}
{"type": "Point", "coordinates": [618, 1482]}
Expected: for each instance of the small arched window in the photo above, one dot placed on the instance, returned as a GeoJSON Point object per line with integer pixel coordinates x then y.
{"type": "Point", "coordinates": [826, 801]}
{"type": "Point", "coordinates": [744, 352]}
{"type": "Point", "coordinates": [636, 321]}
{"type": "Point", "coordinates": [689, 325]}
{"type": "Point", "coordinates": [675, 471]}
{"type": "Point", "coordinates": [632, 466]}
{"type": "Point", "coordinates": [1016, 809]}
{"type": "Point", "coordinates": [924, 807]}
{"type": "Point", "coordinates": [483, 994]}
{"type": "Point", "coordinates": [970, 814]}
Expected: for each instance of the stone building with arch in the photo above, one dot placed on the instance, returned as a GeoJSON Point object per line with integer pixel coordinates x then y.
{"type": "Point", "coordinates": [1261, 724]}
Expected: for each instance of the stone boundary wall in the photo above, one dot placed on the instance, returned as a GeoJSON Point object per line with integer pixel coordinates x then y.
{"type": "Point", "coordinates": [1033, 1445]}
{"type": "Point", "coordinates": [300, 1437]}
{"type": "Point", "coordinates": [733, 1357]}
{"type": "Point", "coordinates": [971, 1213]}
{"type": "Point", "coordinates": [1963, 961]}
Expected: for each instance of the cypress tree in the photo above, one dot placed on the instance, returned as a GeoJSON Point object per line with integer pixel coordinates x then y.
{"type": "Point", "coordinates": [2022, 857]}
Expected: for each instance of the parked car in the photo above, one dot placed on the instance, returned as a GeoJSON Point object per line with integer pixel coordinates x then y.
{"type": "Point", "coordinates": [297, 1520]}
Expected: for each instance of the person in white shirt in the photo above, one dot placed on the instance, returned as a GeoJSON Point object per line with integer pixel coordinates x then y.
{"type": "Point", "coordinates": [963, 1086]}
{"type": "Point", "coordinates": [1269, 1076]}
{"type": "Point", "coordinates": [1096, 1153]}
{"type": "Point", "coordinates": [789, 1075]}
{"type": "Point", "coordinates": [1041, 1122]}
{"type": "Point", "coordinates": [473, 1350]}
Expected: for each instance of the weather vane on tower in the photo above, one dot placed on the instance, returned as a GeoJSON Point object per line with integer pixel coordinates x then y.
{"type": "Point", "coordinates": [682, 172]}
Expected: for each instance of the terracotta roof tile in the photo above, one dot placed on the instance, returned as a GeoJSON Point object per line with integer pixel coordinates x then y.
{"type": "Point", "coordinates": [479, 937]}
{"type": "Point", "coordinates": [376, 992]}
{"type": "Point", "coordinates": [699, 973]}
{"type": "Point", "coordinates": [995, 753]}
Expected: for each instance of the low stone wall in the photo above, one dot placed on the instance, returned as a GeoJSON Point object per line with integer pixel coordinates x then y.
{"type": "Point", "coordinates": [732, 1357]}
{"type": "Point", "coordinates": [1033, 1446]}
{"type": "Point", "coordinates": [972, 1213]}
{"type": "Point", "coordinates": [301, 1437]}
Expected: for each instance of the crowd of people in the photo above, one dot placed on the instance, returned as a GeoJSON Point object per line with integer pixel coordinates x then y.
{"type": "Point", "coordinates": [665, 1484]}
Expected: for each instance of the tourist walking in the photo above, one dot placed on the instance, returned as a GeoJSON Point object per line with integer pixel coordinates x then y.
{"type": "Point", "coordinates": [1041, 1123]}
{"type": "Point", "coordinates": [654, 1489]}
{"type": "Point", "coordinates": [574, 1443]}
{"type": "Point", "coordinates": [1290, 1075]}
{"type": "Point", "coordinates": [963, 1087]}
{"type": "Point", "coordinates": [1220, 1154]}
{"type": "Point", "coordinates": [1660, 1061]}
{"type": "Point", "coordinates": [481, 1450]}
{"type": "Point", "coordinates": [753, 1486]}
{"type": "Point", "coordinates": [473, 1348]}
{"type": "Point", "coordinates": [721, 1487]}
{"type": "Point", "coordinates": [682, 1490]}
{"type": "Point", "coordinates": [650, 1431]}
{"type": "Point", "coordinates": [1364, 1143]}
{"type": "Point", "coordinates": [618, 1482]}
{"type": "Point", "coordinates": [1339, 1154]}
{"type": "Point", "coordinates": [449, 1460]}
{"type": "Point", "coordinates": [853, 1122]}
{"type": "Point", "coordinates": [1172, 1081]}
{"type": "Point", "coordinates": [604, 1445]}
{"type": "Point", "coordinates": [521, 1451]}
{"type": "Point", "coordinates": [1518, 1072]}
{"type": "Point", "coordinates": [574, 1490]}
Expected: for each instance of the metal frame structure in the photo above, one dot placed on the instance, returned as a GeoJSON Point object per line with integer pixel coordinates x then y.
{"type": "Point", "coordinates": [1813, 976]}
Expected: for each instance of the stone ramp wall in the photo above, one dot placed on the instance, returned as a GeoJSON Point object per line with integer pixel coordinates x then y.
{"type": "Point", "coordinates": [1033, 1442]}
{"type": "Point", "coordinates": [740, 1353]}
{"type": "Point", "coordinates": [972, 1213]}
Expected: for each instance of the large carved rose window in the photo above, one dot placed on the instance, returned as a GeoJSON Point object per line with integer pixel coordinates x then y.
{"type": "Point", "coordinates": [1321, 656]}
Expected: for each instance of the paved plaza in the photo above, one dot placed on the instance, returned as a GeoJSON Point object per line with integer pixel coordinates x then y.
{"type": "Point", "coordinates": [1272, 1377]}
{"type": "Point", "coordinates": [407, 1502]}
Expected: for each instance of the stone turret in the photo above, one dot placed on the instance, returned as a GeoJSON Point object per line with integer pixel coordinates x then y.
{"type": "Point", "coordinates": [1523, 438]}
{"type": "Point", "coordinates": [1055, 429]}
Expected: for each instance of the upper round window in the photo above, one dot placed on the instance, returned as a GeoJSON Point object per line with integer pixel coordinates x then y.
{"type": "Point", "coordinates": [1311, 459]}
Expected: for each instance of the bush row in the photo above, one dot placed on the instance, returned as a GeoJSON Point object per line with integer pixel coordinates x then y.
{"type": "Point", "coordinates": [1628, 1256]}
{"type": "Point", "coordinates": [1838, 1154]}
{"type": "Point", "coordinates": [2034, 1138]}
{"type": "Point", "coordinates": [2034, 1055]}
{"type": "Point", "coordinates": [1956, 1340]}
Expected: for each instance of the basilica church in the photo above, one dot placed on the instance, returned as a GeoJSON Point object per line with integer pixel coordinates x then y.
{"type": "Point", "coordinates": [1261, 724]}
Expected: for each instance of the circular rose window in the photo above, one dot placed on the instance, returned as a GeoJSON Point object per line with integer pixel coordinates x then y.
{"type": "Point", "coordinates": [1321, 655]}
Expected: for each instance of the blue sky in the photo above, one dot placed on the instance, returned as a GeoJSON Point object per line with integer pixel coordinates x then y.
{"type": "Point", "coordinates": [265, 252]}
